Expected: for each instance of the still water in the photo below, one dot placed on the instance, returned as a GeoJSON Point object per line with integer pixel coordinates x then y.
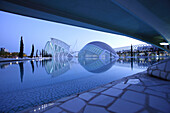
{"type": "Point", "coordinates": [25, 84]}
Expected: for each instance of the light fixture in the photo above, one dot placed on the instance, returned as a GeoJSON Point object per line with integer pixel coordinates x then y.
{"type": "Point", "coordinates": [164, 43]}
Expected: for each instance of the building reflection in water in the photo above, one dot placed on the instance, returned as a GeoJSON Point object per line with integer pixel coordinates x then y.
{"type": "Point", "coordinates": [140, 62]}
{"type": "Point", "coordinates": [3, 66]}
{"type": "Point", "coordinates": [21, 67]}
{"type": "Point", "coordinates": [56, 67]}
{"type": "Point", "coordinates": [96, 65]}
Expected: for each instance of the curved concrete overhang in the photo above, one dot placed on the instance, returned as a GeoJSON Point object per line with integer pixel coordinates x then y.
{"type": "Point", "coordinates": [145, 20]}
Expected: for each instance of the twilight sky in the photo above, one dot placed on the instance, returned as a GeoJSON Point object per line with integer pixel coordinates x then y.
{"type": "Point", "coordinates": [38, 32]}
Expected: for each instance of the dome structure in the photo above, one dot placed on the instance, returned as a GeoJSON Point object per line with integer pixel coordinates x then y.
{"type": "Point", "coordinates": [103, 46]}
{"type": "Point", "coordinates": [97, 49]}
{"type": "Point", "coordinates": [57, 48]}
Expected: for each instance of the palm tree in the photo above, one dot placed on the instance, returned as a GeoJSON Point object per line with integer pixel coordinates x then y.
{"type": "Point", "coordinates": [32, 52]}
{"type": "Point", "coordinates": [21, 48]}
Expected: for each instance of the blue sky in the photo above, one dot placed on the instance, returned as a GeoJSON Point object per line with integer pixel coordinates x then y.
{"type": "Point", "coordinates": [38, 32]}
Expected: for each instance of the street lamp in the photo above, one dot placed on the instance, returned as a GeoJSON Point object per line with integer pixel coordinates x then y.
{"type": "Point", "coordinates": [164, 43]}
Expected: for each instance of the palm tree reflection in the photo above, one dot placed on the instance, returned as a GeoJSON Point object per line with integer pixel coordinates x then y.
{"type": "Point", "coordinates": [32, 65]}
{"type": "Point", "coordinates": [21, 66]}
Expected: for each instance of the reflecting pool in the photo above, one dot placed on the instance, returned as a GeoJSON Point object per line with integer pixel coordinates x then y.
{"type": "Point", "coordinates": [25, 84]}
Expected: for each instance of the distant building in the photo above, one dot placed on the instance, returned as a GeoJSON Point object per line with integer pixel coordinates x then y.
{"type": "Point", "coordinates": [125, 48]}
{"type": "Point", "coordinates": [147, 48]}
{"type": "Point", "coordinates": [97, 49]}
{"type": "Point", "coordinates": [140, 50]}
{"type": "Point", "coordinates": [140, 47]}
{"type": "Point", "coordinates": [57, 48]}
{"type": "Point", "coordinates": [4, 50]}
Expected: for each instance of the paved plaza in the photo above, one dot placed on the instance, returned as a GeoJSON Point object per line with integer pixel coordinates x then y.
{"type": "Point", "coordinates": [139, 93]}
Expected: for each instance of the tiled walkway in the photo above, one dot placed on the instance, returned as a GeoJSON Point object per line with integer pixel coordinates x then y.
{"type": "Point", "coordinates": [137, 93]}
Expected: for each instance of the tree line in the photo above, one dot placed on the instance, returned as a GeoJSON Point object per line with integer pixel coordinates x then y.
{"type": "Point", "coordinates": [42, 53]}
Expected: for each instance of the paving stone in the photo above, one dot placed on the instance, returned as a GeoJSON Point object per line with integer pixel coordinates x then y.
{"type": "Point", "coordinates": [166, 86]}
{"type": "Point", "coordinates": [168, 66]}
{"type": "Point", "coordinates": [134, 97]}
{"type": "Point", "coordinates": [133, 81]}
{"type": "Point", "coordinates": [160, 88]}
{"type": "Point", "coordinates": [159, 104]}
{"type": "Point", "coordinates": [87, 96]}
{"type": "Point", "coordinates": [145, 111]}
{"type": "Point", "coordinates": [161, 66]}
{"type": "Point", "coordinates": [74, 105]}
{"type": "Point", "coordinates": [57, 103]}
{"type": "Point", "coordinates": [163, 74]}
{"type": "Point", "coordinates": [153, 67]}
{"type": "Point", "coordinates": [136, 88]}
{"type": "Point", "coordinates": [168, 95]}
{"type": "Point", "coordinates": [66, 98]}
{"type": "Point", "coordinates": [108, 85]}
{"type": "Point", "coordinates": [121, 86]}
{"type": "Point", "coordinates": [94, 109]}
{"type": "Point", "coordinates": [149, 71]}
{"type": "Point", "coordinates": [113, 92]}
{"type": "Point", "coordinates": [145, 79]}
{"type": "Point", "coordinates": [123, 106]}
{"type": "Point", "coordinates": [53, 110]}
{"type": "Point", "coordinates": [168, 77]}
{"type": "Point", "coordinates": [155, 93]}
{"type": "Point", "coordinates": [150, 78]}
{"type": "Point", "coordinates": [151, 82]}
{"type": "Point", "coordinates": [102, 100]}
{"type": "Point", "coordinates": [156, 73]}
{"type": "Point", "coordinates": [98, 90]}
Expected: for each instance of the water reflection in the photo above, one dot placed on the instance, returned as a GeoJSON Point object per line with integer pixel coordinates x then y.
{"type": "Point", "coordinates": [32, 65]}
{"type": "Point", "coordinates": [96, 65]}
{"type": "Point", "coordinates": [86, 63]}
{"type": "Point", "coordinates": [57, 67]}
{"type": "Point", "coordinates": [54, 79]}
{"type": "Point", "coordinates": [140, 62]}
{"type": "Point", "coordinates": [3, 66]}
{"type": "Point", "coordinates": [21, 67]}
{"type": "Point", "coordinates": [131, 63]}
{"type": "Point", "coordinates": [37, 63]}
